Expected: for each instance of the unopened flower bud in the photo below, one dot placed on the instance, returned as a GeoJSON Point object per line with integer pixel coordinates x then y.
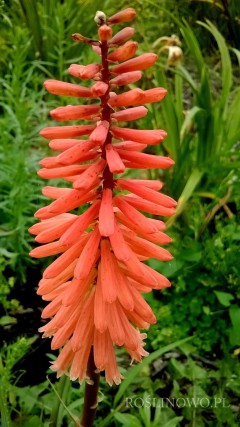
{"type": "Point", "coordinates": [125, 15]}
{"type": "Point", "coordinates": [104, 32]}
{"type": "Point", "coordinates": [99, 89]}
{"type": "Point", "coordinates": [122, 36]}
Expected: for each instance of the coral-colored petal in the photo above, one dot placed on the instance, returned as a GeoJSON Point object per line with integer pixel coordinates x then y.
{"type": "Point", "coordinates": [146, 160]}
{"type": "Point", "coordinates": [99, 88]}
{"type": "Point", "coordinates": [135, 64]}
{"type": "Point", "coordinates": [126, 79]}
{"type": "Point", "coordinates": [99, 135]}
{"type": "Point", "coordinates": [48, 285]}
{"type": "Point", "coordinates": [78, 153]}
{"type": "Point", "coordinates": [108, 282]}
{"type": "Point", "coordinates": [106, 215]}
{"type": "Point", "coordinates": [122, 36]}
{"type": "Point", "coordinates": [90, 178]}
{"type": "Point", "coordinates": [147, 193]}
{"type": "Point", "coordinates": [130, 146]}
{"type": "Point", "coordinates": [80, 224]}
{"type": "Point", "coordinates": [134, 216]}
{"type": "Point", "coordinates": [114, 161]}
{"type": "Point", "coordinates": [123, 52]}
{"type": "Point", "coordinates": [84, 72]}
{"type": "Point", "coordinates": [61, 172]}
{"type": "Point", "coordinates": [88, 255]}
{"type": "Point", "coordinates": [84, 325]}
{"type": "Point", "coordinates": [57, 87]}
{"type": "Point", "coordinates": [151, 137]}
{"type": "Point", "coordinates": [125, 15]}
{"type": "Point", "coordinates": [66, 131]}
{"type": "Point", "coordinates": [48, 250]}
{"type": "Point", "coordinates": [75, 112]}
{"type": "Point", "coordinates": [66, 258]}
{"type": "Point", "coordinates": [130, 114]}
{"type": "Point", "coordinates": [146, 206]}
{"type": "Point", "coordinates": [125, 99]}
{"type": "Point", "coordinates": [100, 319]}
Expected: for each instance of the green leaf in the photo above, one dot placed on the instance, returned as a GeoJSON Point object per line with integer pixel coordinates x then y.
{"type": "Point", "coordinates": [127, 420]}
{"type": "Point", "coordinates": [32, 422]}
{"type": "Point", "coordinates": [189, 120]}
{"type": "Point", "coordinates": [234, 314]}
{"type": "Point", "coordinates": [237, 53]}
{"type": "Point", "coordinates": [174, 422]}
{"type": "Point", "coordinates": [225, 59]}
{"type": "Point", "coordinates": [187, 192]}
{"type": "Point", "coordinates": [224, 298]}
{"type": "Point", "coordinates": [30, 11]}
{"type": "Point", "coordinates": [7, 320]}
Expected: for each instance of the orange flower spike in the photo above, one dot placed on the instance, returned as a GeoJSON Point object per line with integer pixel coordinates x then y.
{"type": "Point", "coordinates": [125, 15]}
{"type": "Point", "coordinates": [94, 286]}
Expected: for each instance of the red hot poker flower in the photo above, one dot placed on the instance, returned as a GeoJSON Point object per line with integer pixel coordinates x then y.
{"type": "Point", "coordinates": [95, 285]}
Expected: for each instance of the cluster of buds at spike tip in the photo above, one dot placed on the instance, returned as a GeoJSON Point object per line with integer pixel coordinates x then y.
{"type": "Point", "coordinates": [95, 285]}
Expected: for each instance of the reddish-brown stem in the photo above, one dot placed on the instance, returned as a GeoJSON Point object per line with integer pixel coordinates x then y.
{"type": "Point", "coordinates": [91, 387]}
{"type": "Point", "coordinates": [91, 393]}
{"type": "Point", "coordinates": [106, 114]}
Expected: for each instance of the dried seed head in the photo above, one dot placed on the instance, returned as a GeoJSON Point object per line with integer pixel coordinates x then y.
{"type": "Point", "coordinates": [175, 55]}
{"type": "Point", "coordinates": [100, 18]}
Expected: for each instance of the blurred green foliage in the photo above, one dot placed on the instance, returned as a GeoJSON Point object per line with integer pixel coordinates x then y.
{"type": "Point", "coordinates": [201, 115]}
